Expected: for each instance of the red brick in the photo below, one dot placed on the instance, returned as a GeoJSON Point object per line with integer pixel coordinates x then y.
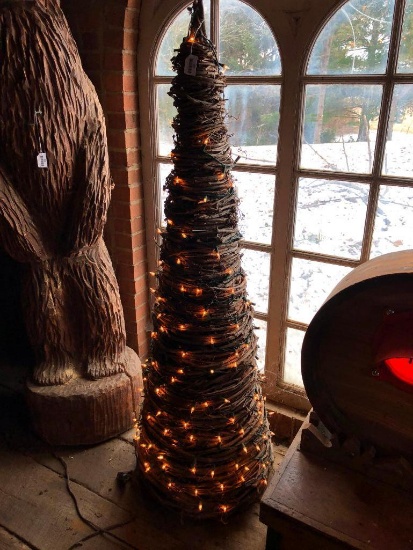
{"type": "Point", "coordinates": [124, 158]}
{"type": "Point", "coordinates": [131, 18]}
{"type": "Point", "coordinates": [121, 121]}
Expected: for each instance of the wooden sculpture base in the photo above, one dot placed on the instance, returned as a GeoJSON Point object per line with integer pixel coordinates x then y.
{"type": "Point", "coordinates": [84, 412]}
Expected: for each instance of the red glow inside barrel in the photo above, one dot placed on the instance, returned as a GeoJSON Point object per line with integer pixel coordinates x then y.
{"type": "Point", "coordinates": [402, 368]}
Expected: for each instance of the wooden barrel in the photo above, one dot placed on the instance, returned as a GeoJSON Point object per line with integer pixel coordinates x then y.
{"type": "Point", "coordinates": [343, 370]}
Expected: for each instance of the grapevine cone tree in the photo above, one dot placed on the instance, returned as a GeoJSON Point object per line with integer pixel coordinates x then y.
{"type": "Point", "coordinates": [204, 443]}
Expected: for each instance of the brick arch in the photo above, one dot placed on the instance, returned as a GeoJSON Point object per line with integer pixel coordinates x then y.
{"type": "Point", "coordinates": [106, 32]}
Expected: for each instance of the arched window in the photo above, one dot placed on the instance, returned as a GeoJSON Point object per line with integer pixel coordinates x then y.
{"type": "Point", "coordinates": [325, 148]}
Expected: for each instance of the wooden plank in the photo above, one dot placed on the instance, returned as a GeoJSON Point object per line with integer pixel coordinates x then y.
{"type": "Point", "coordinates": [9, 542]}
{"type": "Point", "coordinates": [343, 507]}
{"type": "Point", "coordinates": [35, 504]}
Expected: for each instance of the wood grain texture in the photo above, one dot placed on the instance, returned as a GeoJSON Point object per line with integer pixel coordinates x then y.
{"type": "Point", "coordinates": [41, 518]}
{"type": "Point", "coordinates": [9, 542]}
{"type": "Point", "coordinates": [52, 218]}
{"type": "Point", "coordinates": [339, 353]}
{"type": "Point", "coordinates": [333, 507]}
{"type": "Point", "coordinates": [84, 412]}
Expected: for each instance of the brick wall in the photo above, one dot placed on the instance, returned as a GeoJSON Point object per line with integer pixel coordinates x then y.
{"type": "Point", "coordinates": [106, 32]}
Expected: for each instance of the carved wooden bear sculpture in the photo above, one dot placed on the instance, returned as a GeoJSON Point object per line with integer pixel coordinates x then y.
{"type": "Point", "coordinates": [52, 218]}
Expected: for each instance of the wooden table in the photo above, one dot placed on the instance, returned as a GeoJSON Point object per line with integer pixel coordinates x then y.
{"type": "Point", "coordinates": [314, 504]}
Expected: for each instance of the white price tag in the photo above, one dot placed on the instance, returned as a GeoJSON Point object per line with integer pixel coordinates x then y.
{"type": "Point", "coordinates": [190, 65]}
{"type": "Point", "coordinates": [42, 160]}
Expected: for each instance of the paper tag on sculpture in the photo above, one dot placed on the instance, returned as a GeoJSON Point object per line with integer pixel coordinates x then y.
{"type": "Point", "coordinates": [190, 65]}
{"type": "Point", "coordinates": [42, 160]}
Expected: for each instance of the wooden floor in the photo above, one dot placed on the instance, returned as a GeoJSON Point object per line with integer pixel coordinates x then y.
{"type": "Point", "coordinates": [36, 510]}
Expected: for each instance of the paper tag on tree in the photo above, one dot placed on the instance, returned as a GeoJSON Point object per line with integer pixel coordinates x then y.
{"type": "Point", "coordinates": [42, 160]}
{"type": "Point", "coordinates": [190, 65]}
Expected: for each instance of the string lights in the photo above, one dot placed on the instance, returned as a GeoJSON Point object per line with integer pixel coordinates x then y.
{"type": "Point", "coordinates": [203, 442]}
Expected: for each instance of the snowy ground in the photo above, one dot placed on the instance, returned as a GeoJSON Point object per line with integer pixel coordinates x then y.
{"type": "Point", "coordinates": [330, 220]}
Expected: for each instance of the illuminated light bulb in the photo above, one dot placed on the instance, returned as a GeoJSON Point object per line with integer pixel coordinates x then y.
{"type": "Point", "coordinates": [178, 261]}
{"type": "Point", "coordinates": [224, 508]}
{"type": "Point", "coordinates": [212, 473]}
{"type": "Point", "coordinates": [242, 478]}
{"type": "Point", "coordinates": [143, 445]}
{"type": "Point", "coordinates": [152, 273]}
{"type": "Point", "coordinates": [205, 199]}
{"type": "Point", "coordinates": [192, 409]}
{"type": "Point", "coordinates": [206, 404]}
{"type": "Point", "coordinates": [236, 466]}
{"type": "Point", "coordinates": [200, 506]}
{"type": "Point", "coordinates": [173, 380]}
{"type": "Point", "coordinates": [242, 431]}
{"type": "Point", "coordinates": [169, 485]}
{"type": "Point", "coordinates": [164, 466]}
{"type": "Point", "coordinates": [204, 312]}
{"type": "Point", "coordinates": [206, 141]}
{"type": "Point", "coordinates": [221, 176]}
{"type": "Point", "coordinates": [154, 334]}
{"type": "Point", "coordinates": [198, 291]}
{"type": "Point", "coordinates": [193, 470]}
{"type": "Point", "coordinates": [152, 290]}
{"type": "Point", "coordinates": [191, 38]}
{"type": "Point", "coordinates": [244, 448]}
{"type": "Point", "coordinates": [162, 329]}
{"type": "Point", "coordinates": [221, 486]}
{"type": "Point", "coordinates": [180, 371]}
{"type": "Point", "coordinates": [148, 417]}
{"type": "Point", "coordinates": [183, 354]}
{"type": "Point", "coordinates": [211, 340]}
{"type": "Point", "coordinates": [184, 235]}
{"type": "Point", "coordinates": [191, 438]}
{"type": "Point", "coordinates": [258, 447]}
{"type": "Point", "coordinates": [212, 371]}
{"type": "Point", "coordinates": [159, 231]}
{"type": "Point", "coordinates": [161, 457]}
{"type": "Point", "coordinates": [219, 439]}
{"type": "Point", "coordinates": [246, 468]}
{"type": "Point", "coordinates": [182, 327]}
{"type": "Point", "coordinates": [232, 420]}
{"type": "Point", "coordinates": [150, 446]}
{"type": "Point", "coordinates": [196, 492]}
{"type": "Point", "coordinates": [182, 288]}
{"type": "Point", "coordinates": [147, 467]}
{"type": "Point", "coordinates": [234, 365]}
{"type": "Point", "coordinates": [166, 431]}
{"type": "Point", "coordinates": [157, 391]}
{"type": "Point", "coordinates": [186, 424]}
{"type": "Point", "coordinates": [159, 413]}
{"type": "Point", "coordinates": [169, 222]}
{"type": "Point", "coordinates": [265, 481]}
{"type": "Point", "coordinates": [226, 400]}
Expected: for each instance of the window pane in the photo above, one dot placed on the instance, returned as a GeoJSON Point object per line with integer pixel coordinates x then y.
{"type": "Point", "coordinates": [355, 40]}
{"type": "Point", "coordinates": [173, 38]}
{"type": "Point", "coordinates": [311, 283]}
{"type": "Point", "coordinates": [292, 366]}
{"type": "Point", "coordinates": [405, 64]}
{"type": "Point", "coordinates": [164, 171]}
{"type": "Point", "coordinates": [340, 127]}
{"type": "Point", "coordinates": [253, 122]}
{"type": "Point", "coordinates": [257, 267]}
{"type": "Point", "coordinates": [331, 217]}
{"type": "Point", "coordinates": [393, 225]}
{"type": "Point", "coordinates": [247, 45]}
{"type": "Point", "coordinates": [166, 113]}
{"type": "Point", "coordinates": [261, 332]}
{"type": "Point", "coordinates": [256, 194]}
{"type": "Point", "coordinates": [398, 159]}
